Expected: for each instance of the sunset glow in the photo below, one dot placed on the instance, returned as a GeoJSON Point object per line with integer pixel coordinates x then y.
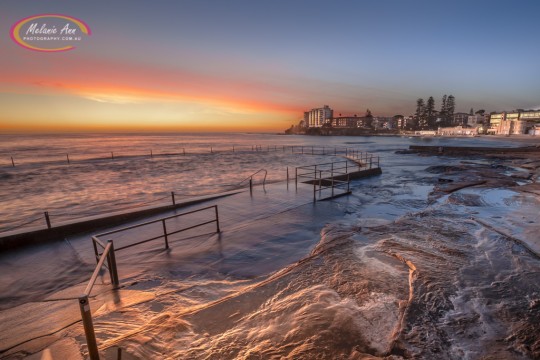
{"type": "Point", "coordinates": [187, 69]}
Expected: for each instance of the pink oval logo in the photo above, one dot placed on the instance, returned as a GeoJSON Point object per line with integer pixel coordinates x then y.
{"type": "Point", "coordinates": [49, 32]}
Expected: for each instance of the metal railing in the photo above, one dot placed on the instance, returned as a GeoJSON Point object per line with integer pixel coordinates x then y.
{"type": "Point", "coordinates": [365, 159]}
{"type": "Point", "coordinates": [250, 178]}
{"type": "Point", "coordinates": [96, 241]}
{"type": "Point", "coordinates": [333, 184]}
{"type": "Point", "coordinates": [319, 171]}
{"type": "Point", "coordinates": [108, 253]}
{"type": "Point", "coordinates": [117, 154]}
{"type": "Point", "coordinates": [52, 219]}
{"type": "Point", "coordinates": [325, 176]}
{"type": "Point", "coordinates": [84, 303]}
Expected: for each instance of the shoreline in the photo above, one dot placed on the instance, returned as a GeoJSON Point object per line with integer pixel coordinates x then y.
{"type": "Point", "coordinates": [535, 139]}
{"type": "Point", "coordinates": [524, 180]}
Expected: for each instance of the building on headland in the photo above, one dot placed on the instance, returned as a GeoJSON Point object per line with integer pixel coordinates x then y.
{"type": "Point", "coordinates": [460, 119]}
{"type": "Point", "coordinates": [384, 122]}
{"type": "Point", "coordinates": [458, 131]}
{"type": "Point", "coordinates": [407, 122]}
{"type": "Point", "coordinates": [426, 132]}
{"type": "Point", "coordinates": [476, 120]}
{"type": "Point", "coordinates": [461, 124]}
{"type": "Point", "coordinates": [514, 123]}
{"type": "Point", "coordinates": [347, 122]}
{"type": "Point", "coordinates": [319, 116]}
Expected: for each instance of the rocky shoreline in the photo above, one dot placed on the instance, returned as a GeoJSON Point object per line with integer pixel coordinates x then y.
{"type": "Point", "coordinates": [516, 169]}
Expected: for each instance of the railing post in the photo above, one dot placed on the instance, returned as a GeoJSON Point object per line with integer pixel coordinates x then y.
{"type": "Point", "coordinates": [217, 220]}
{"type": "Point", "coordinates": [12, 162]}
{"type": "Point", "coordinates": [111, 260]}
{"type": "Point", "coordinates": [287, 175]}
{"type": "Point", "coordinates": [95, 250]}
{"type": "Point", "coordinates": [296, 178]}
{"type": "Point", "coordinates": [173, 200]}
{"type": "Point", "coordinates": [47, 219]}
{"type": "Point", "coordinates": [165, 234]}
{"type": "Point", "coordinates": [151, 154]}
{"type": "Point", "coordinates": [112, 155]}
{"type": "Point", "coordinates": [88, 325]}
{"type": "Point", "coordinates": [67, 157]}
{"type": "Point", "coordinates": [251, 186]}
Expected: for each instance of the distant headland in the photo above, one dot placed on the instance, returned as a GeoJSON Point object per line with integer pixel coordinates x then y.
{"type": "Point", "coordinates": [426, 121]}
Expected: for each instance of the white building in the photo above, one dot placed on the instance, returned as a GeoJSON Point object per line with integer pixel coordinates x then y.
{"type": "Point", "coordinates": [475, 120]}
{"type": "Point", "coordinates": [513, 123]}
{"type": "Point", "coordinates": [457, 131]}
{"type": "Point", "coordinates": [319, 116]}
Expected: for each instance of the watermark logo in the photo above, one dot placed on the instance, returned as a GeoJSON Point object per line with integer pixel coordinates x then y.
{"type": "Point", "coordinates": [49, 32]}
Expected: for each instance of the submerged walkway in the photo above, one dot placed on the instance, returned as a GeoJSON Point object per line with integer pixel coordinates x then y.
{"type": "Point", "coordinates": [261, 232]}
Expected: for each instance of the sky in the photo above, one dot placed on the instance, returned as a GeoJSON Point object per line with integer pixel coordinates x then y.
{"type": "Point", "coordinates": [239, 65]}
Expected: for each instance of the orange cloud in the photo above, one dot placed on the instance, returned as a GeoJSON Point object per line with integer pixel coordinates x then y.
{"type": "Point", "coordinates": [127, 83]}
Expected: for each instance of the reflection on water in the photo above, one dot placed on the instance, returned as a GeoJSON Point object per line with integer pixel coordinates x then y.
{"type": "Point", "coordinates": [433, 284]}
{"type": "Point", "coordinates": [383, 273]}
{"type": "Point", "coordinates": [109, 172]}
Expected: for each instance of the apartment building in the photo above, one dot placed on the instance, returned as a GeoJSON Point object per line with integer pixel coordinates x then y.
{"type": "Point", "coordinates": [513, 123]}
{"type": "Point", "coordinates": [319, 116]}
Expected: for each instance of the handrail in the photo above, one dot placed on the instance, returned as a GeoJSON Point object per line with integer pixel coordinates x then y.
{"type": "Point", "coordinates": [334, 184]}
{"type": "Point", "coordinates": [84, 304]}
{"type": "Point", "coordinates": [109, 255]}
{"type": "Point", "coordinates": [97, 269]}
{"type": "Point", "coordinates": [154, 221]}
{"type": "Point", "coordinates": [330, 163]}
{"type": "Point", "coordinates": [334, 171]}
{"type": "Point", "coordinates": [250, 177]}
{"type": "Point", "coordinates": [165, 232]}
{"type": "Point", "coordinates": [326, 172]}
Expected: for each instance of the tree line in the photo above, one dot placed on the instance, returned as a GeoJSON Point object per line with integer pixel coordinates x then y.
{"type": "Point", "coordinates": [427, 117]}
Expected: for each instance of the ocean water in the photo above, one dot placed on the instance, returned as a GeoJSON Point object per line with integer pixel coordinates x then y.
{"type": "Point", "coordinates": [387, 272]}
{"type": "Point", "coordinates": [110, 172]}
